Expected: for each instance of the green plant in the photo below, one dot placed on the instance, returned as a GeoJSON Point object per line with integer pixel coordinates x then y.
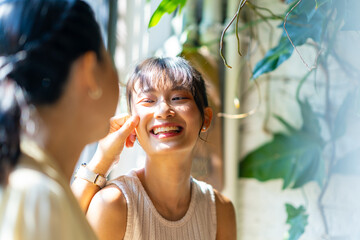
{"type": "Point", "coordinates": [166, 6]}
{"type": "Point", "coordinates": [297, 219]}
{"type": "Point", "coordinates": [297, 156]}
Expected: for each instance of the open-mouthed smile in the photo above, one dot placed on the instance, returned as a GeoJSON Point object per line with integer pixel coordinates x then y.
{"type": "Point", "coordinates": [162, 131]}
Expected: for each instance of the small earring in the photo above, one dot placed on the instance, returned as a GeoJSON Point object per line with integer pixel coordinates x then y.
{"type": "Point", "coordinates": [96, 94]}
{"type": "Point", "coordinates": [204, 128]}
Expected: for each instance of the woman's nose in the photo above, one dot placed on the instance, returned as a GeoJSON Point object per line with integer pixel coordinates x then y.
{"type": "Point", "coordinates": [164, 110]}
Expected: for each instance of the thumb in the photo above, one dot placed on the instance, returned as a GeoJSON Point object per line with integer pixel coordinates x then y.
{"type": "Point", "coordinates": [128, 127]}
{"type": "Point", "coordinates": [113, 144]}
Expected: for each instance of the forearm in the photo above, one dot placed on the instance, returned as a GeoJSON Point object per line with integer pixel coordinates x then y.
{"type": "Point", "coordinates": [122, 132]}
{"type": "Point", "coordinates": [84, 190]}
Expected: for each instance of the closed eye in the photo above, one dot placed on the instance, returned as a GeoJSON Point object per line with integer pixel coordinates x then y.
{"type": "Point", "coordinates": [179, 98]}
{"type": "Point", "coordinates": [146, 100]}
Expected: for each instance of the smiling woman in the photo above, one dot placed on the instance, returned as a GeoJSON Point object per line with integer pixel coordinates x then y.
{"type": "Point", "coordinates": [162, 200]}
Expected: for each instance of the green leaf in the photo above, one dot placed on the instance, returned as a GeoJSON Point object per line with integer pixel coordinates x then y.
{"type": "Point", "coordinates": [309, 8]}
{"type": "Point", "coordinates": [166, 6]}
{"type": "Point", "coordinates": [285, 123]}
{"type": "Point", "coordinates": [297, 219]}
{"type": "Point", "coordinates": [303, 23]}
{"type": "Point", "coordinates": [273, 58]}
{"type": "Point", "coordinates": [314, 171]}
{"type": "Point", "coordinates": [295, 158]}
{"type": "Point", "coordinates": [311, 123]}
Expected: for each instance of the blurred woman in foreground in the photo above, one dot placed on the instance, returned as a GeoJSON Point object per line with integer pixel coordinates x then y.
{"type": "Point", "coordinates": [58, 90]}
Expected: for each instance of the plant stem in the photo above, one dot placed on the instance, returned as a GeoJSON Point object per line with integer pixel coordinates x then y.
{"type": "Point", "coordinates": [267, 106]}
{"type": "Point", "coordinates": [328, 122]}
{"type": "Point", "coordinates": [328, 118]}
{"type": "Point", "coordinates": [236, 16]}
{"type": "Point", "coordinates": [302, 81]}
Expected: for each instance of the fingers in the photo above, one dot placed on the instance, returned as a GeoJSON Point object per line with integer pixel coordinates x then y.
{"type": "Point", "coordinates": [130, 140]}
{"type": "Point", "coordinates": [112, 145]}
{"type": "Point", "coordinates": [117, 121]}
{"type": "Point", "coordinates": [126, 133]}
{"type": "Point", "coordinates": [129, 126]}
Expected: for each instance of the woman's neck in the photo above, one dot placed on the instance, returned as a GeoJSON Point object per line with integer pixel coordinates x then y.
{"type": "Point", "coordinates": [61, 139]}
{"type": "Point", "coordinates": [166, 180]}
{"type": "Point", "coordinates": [65, 156]}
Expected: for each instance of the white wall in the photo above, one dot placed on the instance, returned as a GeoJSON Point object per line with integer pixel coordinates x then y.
{"type": "Point", "coordinates": [260, 206]}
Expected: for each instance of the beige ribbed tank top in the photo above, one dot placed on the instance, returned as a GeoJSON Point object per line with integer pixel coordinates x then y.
{"type": "Point", "coordinates": [144, 222]}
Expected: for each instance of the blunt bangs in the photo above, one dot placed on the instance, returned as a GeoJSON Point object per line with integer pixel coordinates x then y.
{"type": "Point", "coordinates": [167, 73]}
{"type": "Point", "coordinates": [162, 73]}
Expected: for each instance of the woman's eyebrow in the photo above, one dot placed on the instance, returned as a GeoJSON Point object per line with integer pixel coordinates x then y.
{"type": "Point", "coordinates": [152, 89]}
{"type": "Point", "coordinates": [147, 90]}
{"type": "Point", "coordinates": [181, 88]}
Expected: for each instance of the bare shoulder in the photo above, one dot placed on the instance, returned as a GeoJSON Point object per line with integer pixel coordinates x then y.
{"type": "Point", "coordinates": [224, 206]}
{"type": "Point", "coordinates": [225, 216]}
{"type": "Point", "coordinates": [107, 213]}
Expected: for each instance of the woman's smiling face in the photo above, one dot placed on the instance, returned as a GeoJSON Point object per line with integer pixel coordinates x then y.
{"type": "Point", "coordinates": [169, 119]}
{"type": "Point", "coordinates": [169, 96]}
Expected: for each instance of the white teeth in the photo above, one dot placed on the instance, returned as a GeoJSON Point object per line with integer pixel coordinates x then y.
{"type": "Point", "coordinates": [165, 129]}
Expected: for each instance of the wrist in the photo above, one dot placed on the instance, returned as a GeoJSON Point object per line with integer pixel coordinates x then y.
{"type": "Point", "coordinates": [100, 164]}
{"type": "Point", "coordinates": [93, 177]}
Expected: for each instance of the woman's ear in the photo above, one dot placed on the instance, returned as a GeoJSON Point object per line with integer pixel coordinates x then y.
{"type": "Point", "coordinates": [85, 67]}
{"type": "Point", "coordinates": [208, 114]}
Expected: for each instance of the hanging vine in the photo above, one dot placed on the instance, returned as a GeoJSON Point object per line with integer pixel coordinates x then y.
{"type": "Point", "coordinates": [237, 17]}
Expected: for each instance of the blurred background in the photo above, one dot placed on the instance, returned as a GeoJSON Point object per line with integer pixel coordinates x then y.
{"type": "Point", "coordinates": [283, 79]}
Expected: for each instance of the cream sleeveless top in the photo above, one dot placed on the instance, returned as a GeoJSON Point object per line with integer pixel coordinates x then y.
{"type": "Point", "coordinates": [144, 222]}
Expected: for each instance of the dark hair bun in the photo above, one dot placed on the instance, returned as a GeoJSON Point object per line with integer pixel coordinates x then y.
{"type": "Point", "coordinates": [39, 41]}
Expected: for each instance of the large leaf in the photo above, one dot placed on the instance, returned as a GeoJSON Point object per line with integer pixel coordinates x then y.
{"type": "Point", "coordinates": [311, 123]}
{"type": "Point", "coordinates": [273, 58]}
{"type": "Point", "coordinates": [305, 22]}
{"type": "Point", "coordinates": [297, 219]}
{"type": "Point", "coordinates": [166, 6]}
{"type": "Point", "coordinates": [296, 157]}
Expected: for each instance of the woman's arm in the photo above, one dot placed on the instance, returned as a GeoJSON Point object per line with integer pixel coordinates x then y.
{"type": "Point", "coordinates": [121, 133]}
{"type": "Point", "coordinates": [225, 217]}
{"type": "Point", "coordinates": [107, 213]}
